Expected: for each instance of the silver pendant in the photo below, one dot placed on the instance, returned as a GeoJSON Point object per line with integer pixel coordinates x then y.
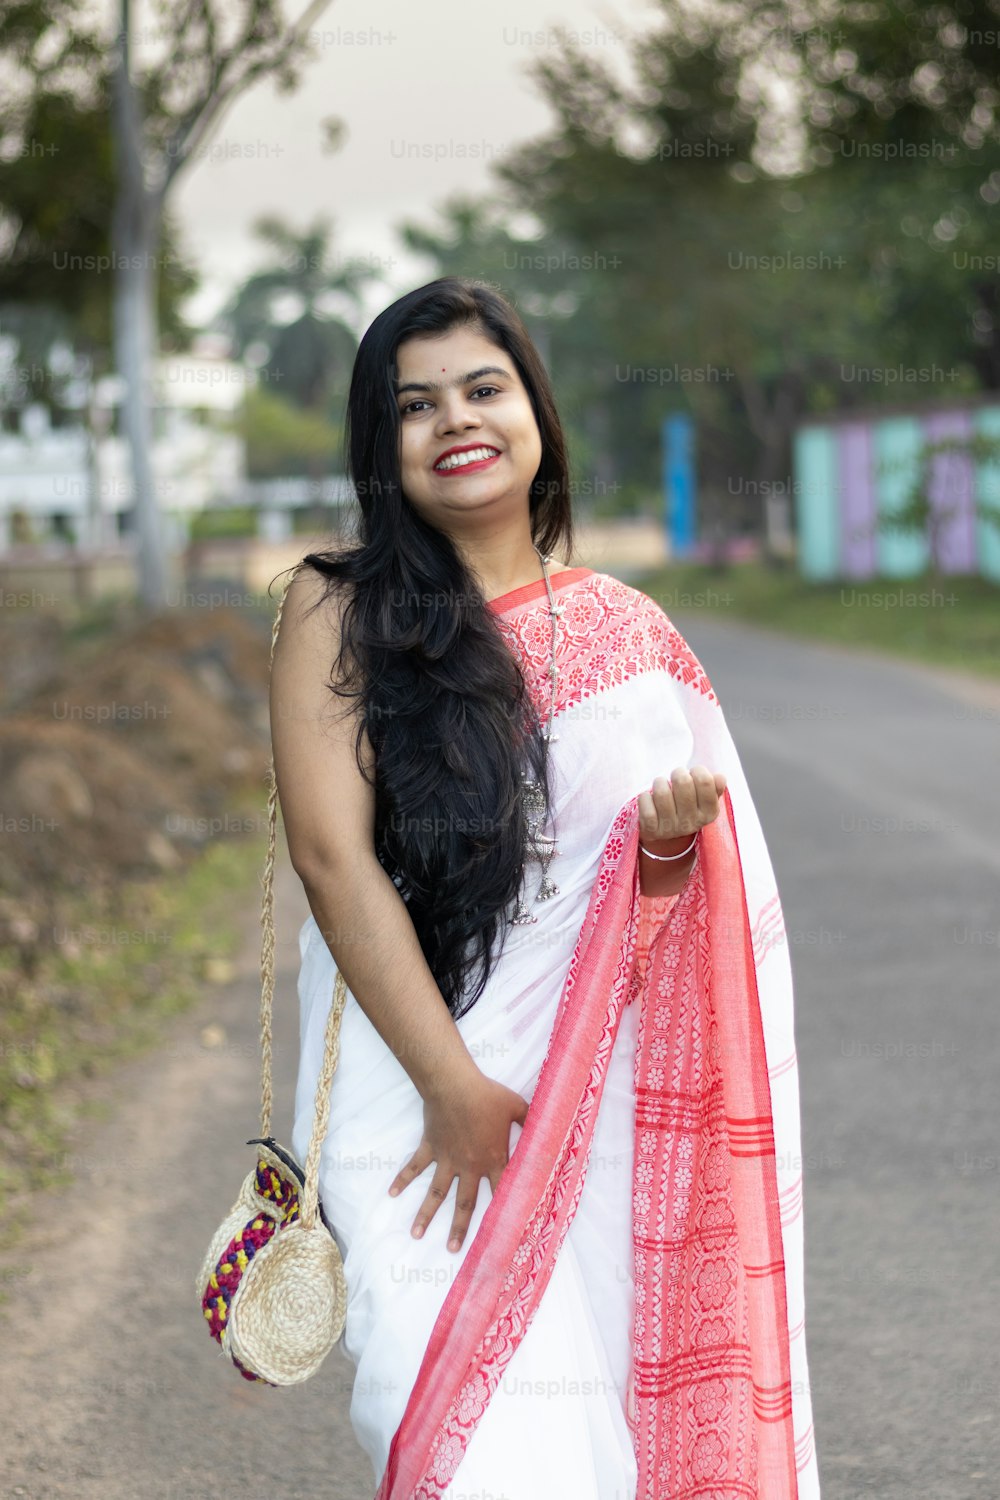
{"type": "Point", "coordinates": [534, 801]}
{"type": "Point", "coordinates": [548, 887]}
{"type": "Point", "coordinates": [540, 846]}
{"type": "Point", "coordinates": [522, 916]}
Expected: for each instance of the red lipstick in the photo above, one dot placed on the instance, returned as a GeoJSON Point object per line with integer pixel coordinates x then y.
{"type": "Point", "coordinates": [469, 468]}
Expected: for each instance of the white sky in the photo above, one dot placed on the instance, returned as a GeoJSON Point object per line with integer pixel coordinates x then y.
{"type": "Point", "coordinates": [447, 79]}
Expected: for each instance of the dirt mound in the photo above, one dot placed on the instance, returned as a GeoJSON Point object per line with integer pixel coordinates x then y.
{"type": "Point", "coordinates": [164, 713]}
{"type": "Point", "coordinates": [120, 761]}
{"type": "Point", "coordinates": [80, 808]}
{"type": "Point", "coordinates": [227, 649]}
{"type": "Point", "coordinates": [31, 647]}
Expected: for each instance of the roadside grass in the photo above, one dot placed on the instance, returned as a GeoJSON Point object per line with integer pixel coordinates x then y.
{"type": "Point", "coordinates": [122, 964]}
{"type": "Point", "coordinates": [942, 620]}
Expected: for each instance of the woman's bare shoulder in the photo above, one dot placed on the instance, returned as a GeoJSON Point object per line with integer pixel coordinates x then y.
{"type": "Point", "coordinates": [313, 604]}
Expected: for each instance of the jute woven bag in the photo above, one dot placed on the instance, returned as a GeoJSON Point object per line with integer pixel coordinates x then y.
{"type": "Point", "coordinates": [272, 1284]}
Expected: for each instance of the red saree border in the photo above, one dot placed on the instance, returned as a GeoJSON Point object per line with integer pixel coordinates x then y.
{"type": "Point", "coordinates": [527, 593]}
{"type": "Point", "coordinates": [678, 1398]}
{"type": "Point", "coordinates": [491, 1301]}
{"type": "Point", "coordinates": [709, 1401]}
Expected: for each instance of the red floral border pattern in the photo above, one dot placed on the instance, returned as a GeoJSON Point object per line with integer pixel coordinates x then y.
{"type": "Point", "coordinates": [608, 632]}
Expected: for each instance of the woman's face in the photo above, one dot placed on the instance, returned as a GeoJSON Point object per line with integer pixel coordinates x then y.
{"type": "Point", "coordinates": [458, 393]}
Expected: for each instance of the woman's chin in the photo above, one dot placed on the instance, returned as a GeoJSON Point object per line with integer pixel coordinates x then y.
{"type": "Point", "coordinates": [468, 492]}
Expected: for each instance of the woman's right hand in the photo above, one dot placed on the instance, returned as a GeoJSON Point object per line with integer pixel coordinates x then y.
{"type": "Point", "coordinates": [467, 1132]}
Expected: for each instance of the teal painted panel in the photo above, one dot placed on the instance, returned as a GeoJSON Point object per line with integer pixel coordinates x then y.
{"type": "Point", "coordinates": [987, 492]}
{"type": "Point", "coordinates": [817, 501]}
{"type": "Point", "coordinates": [896, 443]}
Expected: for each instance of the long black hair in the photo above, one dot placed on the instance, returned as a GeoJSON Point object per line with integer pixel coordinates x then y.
{"type": "Point", "coordinates": [445, 705]}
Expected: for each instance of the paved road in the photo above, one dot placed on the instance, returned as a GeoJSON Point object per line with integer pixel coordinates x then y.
{"type": "Point", "coordinates": [876, 786]}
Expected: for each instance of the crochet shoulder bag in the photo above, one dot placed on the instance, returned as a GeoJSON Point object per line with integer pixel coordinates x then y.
{"type": "Point", "coordinates": [272, 1285]}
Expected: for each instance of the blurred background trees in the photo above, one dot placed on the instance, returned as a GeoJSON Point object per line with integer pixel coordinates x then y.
{"type": "Point", "coordinates": [785, 202]}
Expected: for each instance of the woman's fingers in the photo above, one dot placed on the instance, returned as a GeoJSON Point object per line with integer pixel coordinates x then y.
{"type": "Point", "coordinates": [468, 1191]}
{"type": "Point", "coordinates": [436, 1194]}
{"type": "Point", "coordinates": [469, 1140]}
{"type": "Point", "coordinates": [705, 795]}
{"type": "Point", "coordinates": [656, 810]}
{"type": "Point", "coordinates": [418, 1162]}
{"type": "Point", "coordinates": [685, 799]}
{"type": "Point", "coordinates": [438, 1191]}
{"type": "Point", "coordinates": [681, 803]}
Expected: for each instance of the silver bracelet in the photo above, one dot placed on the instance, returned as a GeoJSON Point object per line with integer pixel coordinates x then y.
{"type": "Point", "coordinates": [671, 856]}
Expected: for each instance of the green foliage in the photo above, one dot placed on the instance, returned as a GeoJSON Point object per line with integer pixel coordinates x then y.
{"type": "Point", "coordinates": [309, 358]}
{"type": "Point", "coordinates": [235, 520]}
{"type": "Point", "coordinates": [283, 440]}
{"type": "Point", "coordinates": [950, 621]}
{"type": "Point", "coordinates": [703, 241]}
{"type": "Point", "coordinates": [918, 512]}
{"type": "Point", "coordinates": [56, 205]}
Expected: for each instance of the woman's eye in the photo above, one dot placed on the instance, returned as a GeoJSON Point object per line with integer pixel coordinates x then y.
{"type": "Point", "coordinates": [419, 401]}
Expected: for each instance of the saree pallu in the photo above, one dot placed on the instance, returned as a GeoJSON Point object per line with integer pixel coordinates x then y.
{"type": "Point", "coordinates": [625, 1319]}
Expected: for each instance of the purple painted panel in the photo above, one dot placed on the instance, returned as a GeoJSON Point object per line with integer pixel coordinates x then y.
{"type": "Point", "coordinates": [858, 508]}
{"type": "Point", "coordinates": [952, 487]}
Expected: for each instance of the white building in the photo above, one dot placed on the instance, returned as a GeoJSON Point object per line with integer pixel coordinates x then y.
{"type": "Point", "coordinates": [70, 485]}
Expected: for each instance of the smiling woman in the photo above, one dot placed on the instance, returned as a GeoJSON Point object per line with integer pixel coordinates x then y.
{"type": "Point", "coordinates": [521, 446]}
{"type": "Point", "coordinates": [470, 448]}
{"type": "Point", "coordinates": [619, 1310]}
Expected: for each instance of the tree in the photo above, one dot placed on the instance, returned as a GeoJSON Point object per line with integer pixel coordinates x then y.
{"type": "Point", "coordinates": [938, 465]}
{"type": "Point", "coordinates": [309, 356]}
{"type": "Point", "coordinates": [162, 115]}
{"type": "Point", "coordinates": [661, 186]}
{"type": "Point", "coordinates": [750, 244]}
{"type": "Point", "coordinates": [284, 441]}
{"type": "Point", "coordinates": [55, 206]}
{"type": "Point", "coordinates": [910, 94]}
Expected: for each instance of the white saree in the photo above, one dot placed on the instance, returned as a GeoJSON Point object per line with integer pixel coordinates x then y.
{"type": "Point", "coordinates": [573, 1406]}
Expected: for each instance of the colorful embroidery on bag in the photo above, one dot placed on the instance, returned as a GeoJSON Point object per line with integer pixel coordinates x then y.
{"type": "Point", "coordinates": [283, 1192]}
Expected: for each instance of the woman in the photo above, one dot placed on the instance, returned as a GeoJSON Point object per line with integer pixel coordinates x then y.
{"type": "Point", "coordinates": [566, 971]}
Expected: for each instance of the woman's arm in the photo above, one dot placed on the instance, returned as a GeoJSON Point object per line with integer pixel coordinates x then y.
{"type": "Point", "coordinates": [665, 878]}
{"type": "Point", "coordinates": [329, 813]}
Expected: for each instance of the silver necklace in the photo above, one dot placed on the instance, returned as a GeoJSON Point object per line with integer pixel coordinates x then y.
{"type": "Point", "coordinates": [538, 845]}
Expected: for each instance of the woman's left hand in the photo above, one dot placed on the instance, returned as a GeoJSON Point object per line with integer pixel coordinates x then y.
{"type": "Point", "coordinates": [679, 805]}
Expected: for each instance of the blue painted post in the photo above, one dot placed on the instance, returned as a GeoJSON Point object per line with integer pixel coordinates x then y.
{"type": "Point", "coordinates": [679, 483]}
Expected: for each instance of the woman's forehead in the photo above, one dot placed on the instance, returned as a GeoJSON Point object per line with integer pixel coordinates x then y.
{"type": "Point", "coordinates": [451, 355]}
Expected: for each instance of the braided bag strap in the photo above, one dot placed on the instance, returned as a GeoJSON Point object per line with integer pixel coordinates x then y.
{"type": "Point", "coordinates": [331, 1047]}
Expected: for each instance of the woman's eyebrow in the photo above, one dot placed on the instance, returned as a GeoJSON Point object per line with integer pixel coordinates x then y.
{"type": "Point", "coordinates": [437, 385]}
